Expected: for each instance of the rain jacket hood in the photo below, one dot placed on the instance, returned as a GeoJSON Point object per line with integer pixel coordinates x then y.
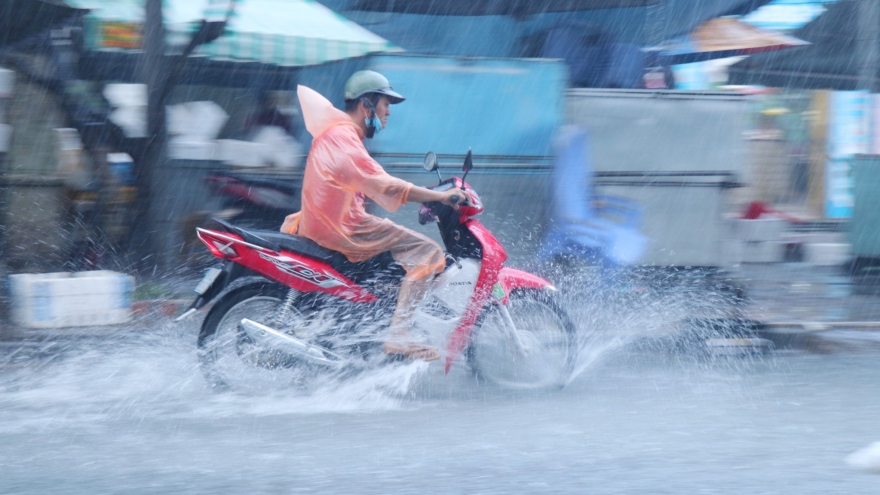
{"type": "Point", "coordinates": [318, 113]}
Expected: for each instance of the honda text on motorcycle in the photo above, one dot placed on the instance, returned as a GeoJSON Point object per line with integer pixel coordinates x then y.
{"type": "Point", "coordinates": [290, 310]}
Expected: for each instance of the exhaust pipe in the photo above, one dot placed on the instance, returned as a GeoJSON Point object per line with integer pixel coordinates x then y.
{"type": "Point", "coordinates": [273, 339]}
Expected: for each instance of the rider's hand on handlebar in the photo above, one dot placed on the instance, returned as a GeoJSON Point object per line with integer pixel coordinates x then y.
{"type": "Point", "coordinates": [455, 198]}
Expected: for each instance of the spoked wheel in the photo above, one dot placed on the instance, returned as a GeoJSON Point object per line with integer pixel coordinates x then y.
{"type": "Point", "coordinates": [231, 359]}
{"type": "Point", "coordinates": [536, 347]}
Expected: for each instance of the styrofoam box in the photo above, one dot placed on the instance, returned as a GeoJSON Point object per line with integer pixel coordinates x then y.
{"type": "Point", "coordinates": [242, 153]}
{"type": "Point", "coordinates": [827, 253]}
{"type": "Point", "coordinates": [182, 149]}
{"type": "Point", "coordinates": [50, 300]}
{"type": "Point", "coordinates": [762, 252]}
{"type": "Point", "coordinates": [5, 137]}
{"type": "Point", "coordinates": [761, 229]}
{"type": "Point", "coordinates": [7, 83]}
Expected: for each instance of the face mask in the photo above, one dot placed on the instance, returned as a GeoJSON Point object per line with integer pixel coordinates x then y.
{"type": "Point", "coordinates": [374, 125]}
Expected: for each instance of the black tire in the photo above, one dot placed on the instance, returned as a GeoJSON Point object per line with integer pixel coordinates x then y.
{"type": "Point", "coordinates": [224, 356]}
{"type": "Point", "coordinates": [547, 371]}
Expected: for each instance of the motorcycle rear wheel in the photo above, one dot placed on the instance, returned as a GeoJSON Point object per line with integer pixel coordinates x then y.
{"type": "Point", "coordinates": [545, 331]}
{"type": "Point", "coordinates": [230, 360]}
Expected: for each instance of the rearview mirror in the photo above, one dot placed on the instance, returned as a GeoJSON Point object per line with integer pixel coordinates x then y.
{"type": "Point", "coordinates": [430, 162]}
{"type": "Point", "coordinates": [468, 164]}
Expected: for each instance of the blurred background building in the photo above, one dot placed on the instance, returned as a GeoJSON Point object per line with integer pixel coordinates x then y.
{"type": "Point", "coordinates": [120, 119]}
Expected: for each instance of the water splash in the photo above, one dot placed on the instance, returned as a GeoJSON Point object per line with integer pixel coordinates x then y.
{"type": "Point", "coordinates": [149, 373]}
{"type": "Point", "coordinates": [659, 310]}
{"type": "Point", "coordinates": [866, 459]}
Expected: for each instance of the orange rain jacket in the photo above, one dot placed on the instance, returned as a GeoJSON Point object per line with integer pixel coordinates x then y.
{"type": "Point", "coordinates": [339, 174]}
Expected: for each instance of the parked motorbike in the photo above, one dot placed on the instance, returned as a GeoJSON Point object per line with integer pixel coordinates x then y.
{"type": "Point", "coordinates": [254, 202]}
{"type": "Point", "coordinates": [311, 311]}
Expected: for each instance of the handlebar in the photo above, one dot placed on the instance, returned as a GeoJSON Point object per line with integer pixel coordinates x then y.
{"type": "Point", "coordinates": [456, 199]}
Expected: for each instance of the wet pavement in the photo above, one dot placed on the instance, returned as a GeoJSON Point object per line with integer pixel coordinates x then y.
{"type": "Point", "coordinates": [814, 308]}
{"type": "Point", "coordinates": [799, 293]}
{"type": "Point", "coordinates": [131, 414]}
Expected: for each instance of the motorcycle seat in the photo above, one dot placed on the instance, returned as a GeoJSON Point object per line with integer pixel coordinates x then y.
{"type": "Point", "coordinates": [358, 272]}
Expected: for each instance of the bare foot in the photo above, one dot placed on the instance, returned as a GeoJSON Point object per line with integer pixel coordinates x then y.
{"type": "Point", "coordinates": [411, 351]}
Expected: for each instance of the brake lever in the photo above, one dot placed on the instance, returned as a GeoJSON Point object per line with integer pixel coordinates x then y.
{"type": "Point", "coordinates": [467, 201]}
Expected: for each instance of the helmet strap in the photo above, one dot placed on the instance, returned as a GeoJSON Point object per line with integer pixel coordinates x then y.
{"type": "Point", "coordinates": [372, 122]}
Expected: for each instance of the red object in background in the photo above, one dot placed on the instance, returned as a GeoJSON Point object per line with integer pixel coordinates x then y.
{"type": "Point", "coordinates": [757, 209]}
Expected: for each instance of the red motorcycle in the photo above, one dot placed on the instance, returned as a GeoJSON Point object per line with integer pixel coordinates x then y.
{"type": "Point", "coordinates": [291, 310]}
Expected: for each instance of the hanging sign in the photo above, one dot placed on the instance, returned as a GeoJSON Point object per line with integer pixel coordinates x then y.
{"type": "Point", "coordinates": [848, 135]}
{"type": "Point", "coordinates": [127, 35]}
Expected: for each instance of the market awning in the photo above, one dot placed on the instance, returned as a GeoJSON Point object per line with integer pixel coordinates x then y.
{"type": "Point", "coordinates": [724, 37]}
{"type": "Point", "coordinates": [832, 61]}
{"type": "Point", "coordinates": [533, 7]}
{"type": "Point", "coordinates": [509, 28]}
{"type": "Point", "coordinates": [278, 32]}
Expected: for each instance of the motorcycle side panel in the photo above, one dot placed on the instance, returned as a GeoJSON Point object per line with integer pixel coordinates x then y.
{"type": "Point", "coordinates": [291, 269]}
{"type": "Point", "coordinates": [455, 286]}
{"type": "Point", "coordinates": [494, 257]}
{"type": "Point", "coordinates": [305, 274]}
{"type": "Point", "coordinates": [439, 313]}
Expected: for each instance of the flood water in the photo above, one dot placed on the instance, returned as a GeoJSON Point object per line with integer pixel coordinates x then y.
{"type": "Point", "coordinates": [129, 412]}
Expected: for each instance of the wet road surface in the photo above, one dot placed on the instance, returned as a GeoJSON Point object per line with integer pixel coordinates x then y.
{"type": "Point", "coordinates": [130, 413]}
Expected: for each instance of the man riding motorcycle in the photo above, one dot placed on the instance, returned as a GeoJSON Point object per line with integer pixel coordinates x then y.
{"type": "Point", "coordinates": [340, 173]}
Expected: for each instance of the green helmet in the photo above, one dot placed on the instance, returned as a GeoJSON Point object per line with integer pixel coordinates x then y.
{"type": "Point", "coordinates": [364, 82]}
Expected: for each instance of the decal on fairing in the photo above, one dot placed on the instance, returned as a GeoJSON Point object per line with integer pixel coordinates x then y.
{"type": "Point", "coordinates": [293, 267]}
{"type": "Point", "coordinates": [456, 285]}
{"type": "Point", "coordinates": [498, 291]}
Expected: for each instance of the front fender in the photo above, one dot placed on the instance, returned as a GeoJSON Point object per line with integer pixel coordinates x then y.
{"type": "Point", "coordinates": [511, 279]}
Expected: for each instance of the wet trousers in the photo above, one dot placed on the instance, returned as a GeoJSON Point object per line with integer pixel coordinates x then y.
{"type": "Point", "coordinates": [419, 256]}
{"type": "Point", "coordinates": [422, 259]}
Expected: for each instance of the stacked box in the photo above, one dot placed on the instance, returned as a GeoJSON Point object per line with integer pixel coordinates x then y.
{"type": "Point", "coordinates": [827, 253]}
{"type": "Point", "coordinates": [52, 300]}
{"type": "Point", "coordinates": [7, 83]}
{"type": "Point", "coordinates": [242, 153]}
{"type": "Point", "coordinates": [5, 136]}
{"type": "Point", "coordinates": [762, 252]}
{"type": "Point", "coordinates": [761, 239]}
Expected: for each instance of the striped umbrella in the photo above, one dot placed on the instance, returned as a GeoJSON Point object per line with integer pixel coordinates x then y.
{"type": "Point", "coordinates": [278, 32]}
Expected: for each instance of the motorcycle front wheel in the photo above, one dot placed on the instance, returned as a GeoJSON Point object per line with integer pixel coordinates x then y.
{"type": "Point", "coordinates": [231, 360]}
{"type": "Point", "coordinates": [539, 350]}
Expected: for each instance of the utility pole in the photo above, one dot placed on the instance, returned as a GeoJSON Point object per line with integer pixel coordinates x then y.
{"type": "Point", "coordinates": [150, 172]}
{"type": "Point", "coordinates": [155, 181]}
{"type": "Point", "coordinates": [868, 47]}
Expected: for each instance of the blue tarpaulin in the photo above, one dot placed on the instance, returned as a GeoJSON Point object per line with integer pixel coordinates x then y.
{"type": "Point", "coordinates": [501, 28]}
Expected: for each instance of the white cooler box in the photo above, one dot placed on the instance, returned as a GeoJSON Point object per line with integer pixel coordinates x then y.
{"type": "Point", "coordinates": [49, 300]}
